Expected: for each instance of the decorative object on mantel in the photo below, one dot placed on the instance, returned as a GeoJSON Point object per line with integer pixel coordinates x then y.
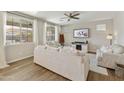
{"type": "Point", "coordinates": [61, 39]}
{"type": "Point", "coordinates": [109, 37]}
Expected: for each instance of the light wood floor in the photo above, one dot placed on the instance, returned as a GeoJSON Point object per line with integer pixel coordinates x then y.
{"type": "Point", "coordinates": [26, 70]}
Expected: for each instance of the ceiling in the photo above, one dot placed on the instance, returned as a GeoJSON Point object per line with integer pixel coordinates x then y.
{"type": "Point", "coordinates": [85, 16]}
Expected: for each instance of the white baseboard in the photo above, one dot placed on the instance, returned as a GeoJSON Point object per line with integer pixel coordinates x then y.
{"type": "Point", "coordinates": [1, 67]}
{"type": "Point", "coordinates": [11, 61]}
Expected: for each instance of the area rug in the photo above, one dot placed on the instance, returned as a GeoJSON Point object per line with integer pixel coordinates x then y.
{"type": "Point", "coordinates": [94, 67]}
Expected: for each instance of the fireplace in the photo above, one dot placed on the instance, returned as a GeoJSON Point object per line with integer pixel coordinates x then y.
{"type": "Point", "coordinates": [78, 47]}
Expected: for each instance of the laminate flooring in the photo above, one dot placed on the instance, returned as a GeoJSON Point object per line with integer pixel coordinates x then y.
{"type": "Point", "coordinates": [26, 70]}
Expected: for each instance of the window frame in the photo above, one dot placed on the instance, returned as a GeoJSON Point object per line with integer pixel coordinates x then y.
{"type": "Point", "coordinates": [20, 27]}
{"type": "Point", "coordinates": [101, 27]}
{"type": "Point", "coordinates": [55, 32]}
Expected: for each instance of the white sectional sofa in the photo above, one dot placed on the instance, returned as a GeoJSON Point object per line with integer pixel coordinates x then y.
{"type": "Point", "coordinates": [63, 61]}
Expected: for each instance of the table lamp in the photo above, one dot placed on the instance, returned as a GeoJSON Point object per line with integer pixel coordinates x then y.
{"type": "Point", "coordinates": [109, 37]}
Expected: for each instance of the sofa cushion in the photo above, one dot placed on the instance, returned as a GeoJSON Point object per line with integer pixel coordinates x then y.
{"type": "Point", "coordinates": [106, 49]}
{"type": "Point", "coordinates": [118, 49]}
{"type": "Point", "coordinates": [53, 44]}
{"type": "Point", "coordinates": [67, 49]}
{"type": "Point", "coordinates": [51, 48]}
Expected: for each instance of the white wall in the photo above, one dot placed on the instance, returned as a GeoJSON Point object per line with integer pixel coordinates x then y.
{"type": "Point", "coordinates": [96, 39]}
{"type": "Point", "coordinates": [119, 28]}
{"type": "Point", "coordinates": [18, 51]}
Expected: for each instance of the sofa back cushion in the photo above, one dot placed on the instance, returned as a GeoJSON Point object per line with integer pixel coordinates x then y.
{"type": "Point", "coordinates": [118, 49]}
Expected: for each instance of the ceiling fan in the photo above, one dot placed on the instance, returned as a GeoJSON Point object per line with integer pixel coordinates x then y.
{"type": "Point", "coordinates": [70, 15]}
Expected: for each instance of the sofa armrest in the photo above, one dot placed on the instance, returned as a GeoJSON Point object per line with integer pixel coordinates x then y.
{"type": "Point", "coordinates": [120, 60]}
{"type": "Point", "coordinates": [109, 60]}
{"type": "Point", "coordinates": [98, 52]}
{"type": "Point", "coordinates": [111, 55]}
{"type": "Point", "coordinates": [86, 66]}
{"type": "Point", "coordinates": [99, 55]}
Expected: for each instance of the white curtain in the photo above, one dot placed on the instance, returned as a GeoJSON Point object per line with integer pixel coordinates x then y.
{"type": "Point", "coordinates": [58, 28]}
{"type": "Point", "coordinates": [39, 28]}
{"type": "Point", "coordinates": [35, 34]}
{"type": "Point", "coordinates": [2, 39]}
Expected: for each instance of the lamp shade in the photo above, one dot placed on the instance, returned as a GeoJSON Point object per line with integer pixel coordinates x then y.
{"type": "Point", "coordinates": [109, 36]}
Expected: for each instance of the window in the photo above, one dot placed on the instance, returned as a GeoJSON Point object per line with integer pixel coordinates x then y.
{"type": "Point", "coordinates": [101, 27]}
{"type": "Point", "coordinates": [18, 30]}
{"type": "Point", "coordinates": [50, 33]}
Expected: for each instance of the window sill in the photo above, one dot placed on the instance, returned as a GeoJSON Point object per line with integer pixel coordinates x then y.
{"type": "Point", "coordinates": [17, 44]}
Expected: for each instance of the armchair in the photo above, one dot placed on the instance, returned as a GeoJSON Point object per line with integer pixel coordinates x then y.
{"type": "Point", "coordinates": [108, 59]}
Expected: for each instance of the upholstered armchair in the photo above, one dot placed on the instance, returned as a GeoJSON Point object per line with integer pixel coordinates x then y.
{"type": "Point", "coordinates": [110, 56]}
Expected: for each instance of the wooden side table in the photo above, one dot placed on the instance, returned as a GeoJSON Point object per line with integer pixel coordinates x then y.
{"type": "Point", "coordinates": [119, 70]}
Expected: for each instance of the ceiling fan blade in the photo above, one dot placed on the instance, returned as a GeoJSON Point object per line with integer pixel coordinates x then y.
{"type": "Point", "coordinates": [71, 14]}
{"type": "Point", "coordinates": [76, 14]}
{"type": "Point", "coordinates": [66, 14]}
{"type": "Point", "coordinates": [75, 17]}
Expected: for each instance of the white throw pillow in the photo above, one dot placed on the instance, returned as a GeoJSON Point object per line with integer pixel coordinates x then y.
{"type": "Point", "coordinates": [106, 49]}
{"type": "Point", "coordinates": [103, 49]}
